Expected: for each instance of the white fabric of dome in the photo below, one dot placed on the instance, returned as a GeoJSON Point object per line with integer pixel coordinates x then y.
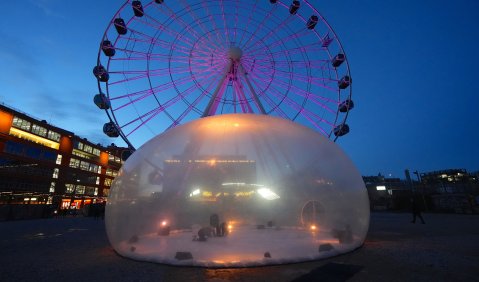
{"type": "Point", "coordinates": [237, 190]}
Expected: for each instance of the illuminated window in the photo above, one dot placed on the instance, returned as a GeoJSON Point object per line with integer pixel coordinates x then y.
{"type": "Point", "coordinates": [99, 170]}
{"type": "Point", "coordinates": [52, 135]}
{"type": "Point", "coordinates": [80, 146]}
{"type": "Point", "coordinates": [107, 182]}
{"type": "Point", "coordinates": [96, 152]}
{"type": "Point", "coordinates": [90, 190]}
{"type": "Point", "coordinates": [55, 172]}
{"type": "Point", "coordinates": [21, 123]}
{"type": "Point", "coordinates": [96, 192]}
{"type": "Point", "coordinates": [74, 163]}
{"type": "Point", "coordinates": [59, 159]}
{"type": "Point", "coordinates": [93, 168]}
{"type": "Point", "coordinates": [88, 149]}
{"type": "Point", "coordinates": [97, 180]}
{"type": "Point", "coordinates": [106, 192]}
{"type": "Point", "coordinates": [69, 188]}
{"type": "Point", "coordinates": [39, 130]}
{"type": "Point", "coordinates": [80, 189]}
{"type": "Point", "coordinates": [109, 172]}
{"type": "Point", "coordinates": [84, 165]}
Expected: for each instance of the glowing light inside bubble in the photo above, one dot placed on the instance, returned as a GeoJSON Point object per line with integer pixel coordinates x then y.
{"type": "Point", "coordinates": [195, 192]}
{"type": "Point", "coordinates": [268, 194]}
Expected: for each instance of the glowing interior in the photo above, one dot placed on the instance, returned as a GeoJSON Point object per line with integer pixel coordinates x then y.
{"type": "Point", "coordinates": [237, 190]}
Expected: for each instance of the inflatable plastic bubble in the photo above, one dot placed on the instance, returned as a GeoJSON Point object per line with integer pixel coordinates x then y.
{"type": "Point", "coordinates": [237, 190]}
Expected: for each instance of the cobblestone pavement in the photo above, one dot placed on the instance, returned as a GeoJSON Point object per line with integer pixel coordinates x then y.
{"type": "Point", "coordinates": [446, 248]}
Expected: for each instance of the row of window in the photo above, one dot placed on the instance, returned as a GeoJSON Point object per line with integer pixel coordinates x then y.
{"type": "Point", "coordinates": [11, 167]}
{"type": "Point", "coordinates": [83, 155]}
{"type": "Point", "coordinates": [25, 150]}
{"type": "Point", "coordinates": [35, 129]}
{"type": "Point", "coordinates": [111, 172]}
{"type": "Point", "coordinates": [113, 158]}
{"type": "Point", "coordinates": [84, 165]}
{"type": "Point", "coordinates": [81, 190]}
{"type": "Point", "coordinates": [86, 148]}
{"type": "Point", "coordinates": [24, 185]}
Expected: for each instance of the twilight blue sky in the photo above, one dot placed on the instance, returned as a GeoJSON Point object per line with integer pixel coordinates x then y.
{"type": "Point", "coordinates": [413, 63]}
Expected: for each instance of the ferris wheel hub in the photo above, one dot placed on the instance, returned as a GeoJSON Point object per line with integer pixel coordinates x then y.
{"type": "Point", "coordinates": [235, 53]}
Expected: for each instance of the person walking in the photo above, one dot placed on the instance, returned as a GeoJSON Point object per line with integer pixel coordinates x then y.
{"type": "Point", "coordinates": [416, 210]}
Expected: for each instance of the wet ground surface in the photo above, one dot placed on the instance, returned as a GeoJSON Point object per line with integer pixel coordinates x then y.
{"type": "Point", "coordinates": [446, 248]}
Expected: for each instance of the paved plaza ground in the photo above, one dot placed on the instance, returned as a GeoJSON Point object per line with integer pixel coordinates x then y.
{"type": "Point", "coordinates": [446, 248]}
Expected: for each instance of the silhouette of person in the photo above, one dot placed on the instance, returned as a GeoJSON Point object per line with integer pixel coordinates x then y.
{"type": "Point", "coordinates": [215, 223]}
{"type": "Point", "coordinates": [416, 210]}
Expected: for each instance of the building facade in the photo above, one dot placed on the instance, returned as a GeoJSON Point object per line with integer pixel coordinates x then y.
{"type": "Point", "coordinates": [452, 190]}
{"type": "Point", "coordinates": [41, 164]}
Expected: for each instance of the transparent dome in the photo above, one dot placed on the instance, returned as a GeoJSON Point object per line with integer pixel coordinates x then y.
{"type": "Point", "coordinates": [237, 190]}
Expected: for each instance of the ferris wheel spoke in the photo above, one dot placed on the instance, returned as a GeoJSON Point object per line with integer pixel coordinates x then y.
{"type": "Point", "coordinates": [300, 110]}
{"type": "Point", "coordinates": [224, 22]}
{"type": "Point", "coordinates": [193, 104]}
{"type": "Point", "coordinates": [200, 22]}
{"type": "Point", "coordinates": [139, 75]}
{"type": "Point", "coordinates": [283, 28]}
{"type": "Point", "coordinates": [305, 94]}
{"type": "Point", "coordinates": [179, 35]}
{"type": "Point", "coordinates": [184, 26]}
{"type": "Point", "coordinates": [317, 81]}
{"type": "Point", "coordinates": [235, 29]}
{"type": "Point", "coordinates": [250, 16]}
{"type": "Point", "coordinates": [149, 55]}
{"type": "Point", "coordinates": [277, 30]}
{"type": "Point", "coordinates": [157, 89]}
{"type": "Point", "coordinates": [218, 40]}
{"type": "Point", "coordinates": [258, 27]}
{"type": "Point", "coordinates": [265, 84]}
{"type": "Point", "coordinates": [161, 108]}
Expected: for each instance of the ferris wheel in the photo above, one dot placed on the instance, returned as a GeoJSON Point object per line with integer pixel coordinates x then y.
{"type": "Point", "coordinates": [164, 63]}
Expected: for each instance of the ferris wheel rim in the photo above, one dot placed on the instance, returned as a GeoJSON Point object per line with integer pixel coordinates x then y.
{"type": "Point", "coordinates": [192, 105]}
